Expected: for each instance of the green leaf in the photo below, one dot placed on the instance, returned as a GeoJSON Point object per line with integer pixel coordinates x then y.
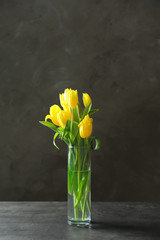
{"type": "Point", "coordinates": [73, 130]}
{"type": "Point", "coordinates": [66, 130]}
{"type": "Point", "coordinates": [75, 181]}
{"type": "Point", "coordinates": [54, 138]}
{"type": "Point", "coordinates": [93, 111]}
{"type": "Point", "coordinates": [76, 114]}
{"type": "Point", "coordinates": [64, 133]}
{"type": "Point", "coordinates": [80, 109]}
{"type": "Point", "coordinates": [87, 110]}
{"type": "Point", "coordinates": [70, 179]}
{"type": "Point", "coordinates": [98, 143]}
{"type": "Point", "coordinates": [58, 130]}
{"type": "Point", "coordinates": [67, 126]}
{"type": "Point", "coordinates": [49, 125]}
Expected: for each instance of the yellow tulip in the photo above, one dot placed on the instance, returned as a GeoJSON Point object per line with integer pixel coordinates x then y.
{"type": "Point", "coordinates": [86, 99]}
{"type": "Point", "coordinates": [73, 98]}
{"type": "Point", "coordinates": [61, 98]}
{"type": "Point", "coordinates": [66, 95]}
{"type": "Point", "coordinates": [85, 127]}
{"type": "Point", "coordinates": [63, 116]}
{"type": "Point", "coordinates": [62, 102]}
{"type": "Point", "coordinates": [70, 98]}
{"type": "Point", "coordinates": [54, 110]}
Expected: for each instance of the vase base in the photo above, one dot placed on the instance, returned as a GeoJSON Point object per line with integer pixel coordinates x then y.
{"type": "Point", "coordinates": [79, 223]}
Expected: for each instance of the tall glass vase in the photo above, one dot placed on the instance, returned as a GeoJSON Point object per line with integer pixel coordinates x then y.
{"type": "Point", "coordinates": [79, 186]}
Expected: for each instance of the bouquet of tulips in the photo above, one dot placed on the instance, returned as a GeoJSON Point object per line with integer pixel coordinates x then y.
{"type": "Point", "coordinates": [73, 125]}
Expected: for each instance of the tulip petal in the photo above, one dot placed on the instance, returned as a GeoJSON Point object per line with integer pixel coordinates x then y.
{"type": "Point", "coordinates": [62, 117]}
{"type": "Point", "coordinates": [85, 127]}
{"type": "Point", "coordinates": [48, 117]}
{"type": "Point", "coordinates": [86, 99]}
{"type": "Point", "coordinates": [66, 95]}
{"type": "Point", "coordinates": [73, 98]}
{"type": "Point", "coordinates": [54, 110]}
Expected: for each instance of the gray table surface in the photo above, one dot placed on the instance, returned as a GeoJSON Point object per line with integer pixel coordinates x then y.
{"type": "Point", "coordinates": [48, 220]}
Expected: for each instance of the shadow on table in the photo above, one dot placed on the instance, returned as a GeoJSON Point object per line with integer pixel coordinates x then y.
{"type": "Point", "coordinates": [138, 228]}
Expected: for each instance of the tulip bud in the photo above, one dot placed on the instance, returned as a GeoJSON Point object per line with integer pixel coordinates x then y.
{"type": "Point", "coordinates": [54, 110]}
{"type": "Point", "coordinates": [61, 98]}
{"type": "Point", "coordinates": [63, 116]}
{"type": "Point", "coordinates": [63, 103]}
{"type": "Point", "coordinates": [73, 98]}
{"type": "Point", "coordinates": [86, 99]}
{"type": "Point", "coordinates": [66, 95]}
{"type": "Point", "coordinates": [85, 127]}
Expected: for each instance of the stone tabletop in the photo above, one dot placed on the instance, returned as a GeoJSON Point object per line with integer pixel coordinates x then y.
{"type": "Point", "coordinates": [48, 220]}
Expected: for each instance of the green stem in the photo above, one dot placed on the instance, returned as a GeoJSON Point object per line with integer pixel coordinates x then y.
{"type": "Point", "coordinates": [84, 205]}
{"type": "Point", "coordinates": [76, 208]}
{"type": "Point", "coordinates": [86, 196]}
{"type": "Point", "coordinates": [79, 166]}
{"type": "Point", "coordinates": [78, 153]}
{"type": "Point", "coordinates": [71, 122]}
{"type": "Point", "coordinates": [81, 183]}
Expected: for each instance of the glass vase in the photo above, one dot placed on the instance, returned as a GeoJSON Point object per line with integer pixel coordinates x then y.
{"type": "Point", "coordinates": [79, 186]}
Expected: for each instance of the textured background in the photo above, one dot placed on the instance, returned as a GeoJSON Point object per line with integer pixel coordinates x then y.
{"type": "Point", "coordinates": [110, 49]}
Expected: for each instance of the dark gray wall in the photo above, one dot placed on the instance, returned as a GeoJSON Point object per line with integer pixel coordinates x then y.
{"type": "Point", "coordinates": [110, 49]}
